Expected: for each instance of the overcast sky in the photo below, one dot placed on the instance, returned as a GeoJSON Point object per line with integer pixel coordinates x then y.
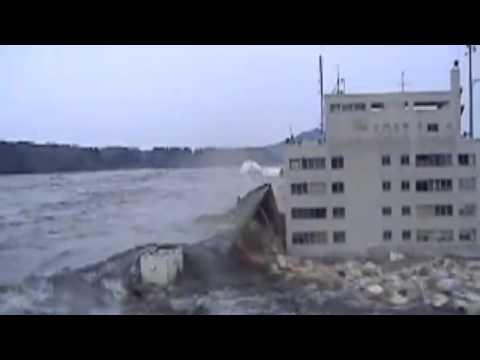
{"type": "Point", "coordinates": [195, 96]}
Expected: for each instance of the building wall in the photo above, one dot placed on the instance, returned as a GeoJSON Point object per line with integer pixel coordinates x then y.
{"type": "Point", "coordinates": [355, 139]}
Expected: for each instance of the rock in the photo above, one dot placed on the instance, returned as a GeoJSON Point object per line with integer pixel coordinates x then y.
{"type": "Point", "coordinates": [370, 269]}
{"type": "Point", "coordinates": [472, 297]}
{"type": "Point", "coordinates": [460, 305]}
{"type": "Point", "coordinates": [311, 287]}
{"type": "Point", "coordinates": [282, 261]}
{"type": "Point", "coordinates": [274, 269]}
{"type": "Point", "coordinates": [341, 273]}
{"type": "Point", "coordinates": [447, 284]}
{"type": "Point", "coordinates": [374, 289]}
{"type": "Point", "coordinates": [439, 300]}
{"type": "Point", "coordinates": [394, 256]}
{"type": "Point", "coordinates": [187, 305]}
{"type": "Point", "coordinates": [397, 299]}
{"type": "Point", "coordinates": [424, 271]}
{"type": "Point", "coordinates": [473, 309]}
{"type": "Point", "coordinates": [308, 264]}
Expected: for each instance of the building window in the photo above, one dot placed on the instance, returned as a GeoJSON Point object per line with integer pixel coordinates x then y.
{"type": "Point", "coordinates": [335, 108]}
{"type": "Point", "coordinates": [347, 107]}
{"type": "Point", "coordinates": [313, 163]}
{"type": "Point", "coordinates": [295, 164]}
{"type": "Point", "coordinates": [385, 160]}
{"type": "Point", "coordinates": [443, 210]}
{"type": "Point", "coordinates": [406, 235]}
{"type": "Point", "coordinates": [467, 184]}
{"type": "Point", "coordinates": [317, 188]}
{"type": "Point", "coordinates": [406, 211]}
{"type": "Point", "coordinates": [337, 162]}
{"type": "Point", "coordinates": [423, 236]}
{"type": "Point", "coordinates": [466, 159]}
{"type": "Point", "coordinates": [386, 185]}
{"type": "Point", "coordinates": [359, 107]}
{"type": "Point", "coordinates": [432, 127]}
{"type": "Point", "coordinates": [429, 105]}
{"type": "Point", "coordinates": [339, 213]}
{"type": "Point", "coordinates": [310, 238]}
{"type": "Point", "coordinates": [434, 210]}
{"type": "Point", "coordinates": [386, 211]}
{"type": "Point", "coordinates": [439, 235]}
{"type": "Point", "coordinates": [405, 185]}
{"type": "Point", "coordinates": [467, 210]}
{"type": "Point", "coordinates": [377, 106]}
{"type": "Point", "coordinates": [405, 126]}
{"type": "Point", "coordinates": [467, 235]}
{"type": "Point", "coordinates": [309, 213]}
{"type": "Point", "coordinates": [405, 160]}
{"type": "Point", "coordinates": [299, 189]}
{"type": "Point", "coordinates": [387, 235]}
{"type": "Point", "coordinates": [339, 237]}
{"type": "Point", "coordinates": [433, 160]}
{"type": "Point", "coordinates": [337, 188]}
{"type": "Point", "coordinates": [434, 185]}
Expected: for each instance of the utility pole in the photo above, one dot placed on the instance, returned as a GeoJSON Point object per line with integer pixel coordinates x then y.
{"type": "Point", "coordinates": [403, 81]}
{"type": "Point", "coordinates": [471, 49]}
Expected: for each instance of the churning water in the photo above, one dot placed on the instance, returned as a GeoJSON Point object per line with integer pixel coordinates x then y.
{"type": "Point", "coordinates": [50, 223]}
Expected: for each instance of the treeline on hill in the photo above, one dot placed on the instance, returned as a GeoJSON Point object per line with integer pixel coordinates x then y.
{"type": "Point", "coordinates": [27, 157]}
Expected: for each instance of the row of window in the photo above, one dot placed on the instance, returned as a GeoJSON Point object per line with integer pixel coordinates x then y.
{"type": "Point", "coordinates": [423, 185]}
{"type": "Point", "coordinates": [316, 188]}
{"type": "Point", "coordinates": [422, 236]}
{"type": "Point", "coordinates": [422, 211]}
{"type": "Point", "coordinates": [318, 238]}
{"type": "Point", "coordinates": [434, 185]}
{"type": "Point", "coordinates": [433, 160]}
{"type": "Point", "coordinates": [431, 127]}
{"type": "Point", "coordinates": [317, 163]}
{"type": "Point", "coordinates": [434, 210]}
{"type": "Point", "coordinates": [379, 106]}
{"type": "Point", "coordinates": [433, 235]}
{"type": "Point", "coordinates": [317, 213]}
{"type": "Point", "coordinates": [421, 160]}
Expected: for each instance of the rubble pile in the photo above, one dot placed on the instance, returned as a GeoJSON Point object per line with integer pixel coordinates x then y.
{"type": "Point", "coordinates": [439, 283]}
{"type": "Point", "coordinates": [306, 271]}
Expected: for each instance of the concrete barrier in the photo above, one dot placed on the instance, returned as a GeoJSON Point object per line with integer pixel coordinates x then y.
{"type": "Point", "coordinates": [161, 265]}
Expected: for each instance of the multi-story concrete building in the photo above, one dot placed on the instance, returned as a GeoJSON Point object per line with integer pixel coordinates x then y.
{"type": "Point", "coordinates": [393, 172]}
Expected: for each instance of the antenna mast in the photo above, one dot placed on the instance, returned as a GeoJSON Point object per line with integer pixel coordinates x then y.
{"type": "Point", "coordinates": [338, 80]}
{"type": "Point", "coordinates": [471, 48]}
{"type": "Point", "coordinates": [321, 94]}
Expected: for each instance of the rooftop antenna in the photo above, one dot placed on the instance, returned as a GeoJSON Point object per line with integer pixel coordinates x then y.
{"type": "Point", "coordinates": [338, 80]}
{"type": "Point", "coordinates": [321, 93]}
{"type": "Point", "coordinates": [403, 83]}
{"type": "Point", "coordinates": [471, 49]}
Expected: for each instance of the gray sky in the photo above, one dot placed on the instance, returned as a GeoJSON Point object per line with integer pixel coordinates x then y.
{"type": "Point", "coordinates": [149, 96]}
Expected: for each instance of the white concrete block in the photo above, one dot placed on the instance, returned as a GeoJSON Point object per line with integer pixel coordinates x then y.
{"type": "Point", "coordinates": [161, 266]}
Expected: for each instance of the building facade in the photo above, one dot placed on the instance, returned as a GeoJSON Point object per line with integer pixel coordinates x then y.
{"type": "Point", "coordinates": [393, 172]}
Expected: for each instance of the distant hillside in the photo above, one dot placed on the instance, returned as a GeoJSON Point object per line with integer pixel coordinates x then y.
{"type": "Point", "coordinates": [276, 150]}
{"type": "Point", "coordinates": [26, 157]}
